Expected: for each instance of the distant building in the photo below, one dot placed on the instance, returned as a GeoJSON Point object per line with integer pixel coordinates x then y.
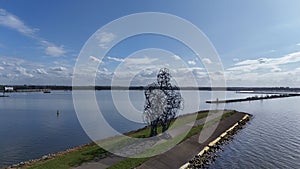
{"type": "Point", "coordinates": [9, 89]}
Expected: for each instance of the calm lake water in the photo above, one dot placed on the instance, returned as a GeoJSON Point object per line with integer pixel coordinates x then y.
{"type": "Point", "coordinates": [30, 127]}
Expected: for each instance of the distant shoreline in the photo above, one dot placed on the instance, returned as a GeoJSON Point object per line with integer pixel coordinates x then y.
{"type": "Point", "coordinates": [17, 88]}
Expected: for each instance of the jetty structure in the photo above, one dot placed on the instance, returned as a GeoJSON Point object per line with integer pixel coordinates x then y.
{"type": "Point", "coordinates": [189, 153]}
{"type": "Point", "coordinates": [207, 154]}
{"type": "Point", "coordinates": [253, 98]}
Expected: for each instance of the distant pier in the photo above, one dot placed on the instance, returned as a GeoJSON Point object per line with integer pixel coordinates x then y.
{"type": "Point", "coordinates": [253, 98]}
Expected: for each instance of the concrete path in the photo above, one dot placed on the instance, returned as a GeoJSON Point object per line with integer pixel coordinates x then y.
{"type": "Point", "coordinates": [186, 150]}
{"type": "Point", "coordinates": [173, 158]}
{"type": "Point", "coordinates": [101, 164]}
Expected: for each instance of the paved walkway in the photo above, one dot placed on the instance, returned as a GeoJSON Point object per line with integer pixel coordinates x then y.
{"type": "Point", "coordinates": [173, 158]}
{"type": "Point", "coordinates": [103, 163]}
{"type": "Point", "coordinates": [186, 150]}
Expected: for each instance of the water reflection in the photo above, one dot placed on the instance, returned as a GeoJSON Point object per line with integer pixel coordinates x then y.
{"type": "Point", "coordinates": [30, 127]}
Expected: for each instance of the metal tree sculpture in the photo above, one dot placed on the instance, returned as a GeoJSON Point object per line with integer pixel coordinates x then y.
{"type": "Point", "coordinates": [163, 101]}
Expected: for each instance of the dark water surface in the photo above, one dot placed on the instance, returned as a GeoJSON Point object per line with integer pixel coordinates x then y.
{"type": "Point", "coordinates": [270, 140]}
{"type": "Point", "coordinates": [30, 127]}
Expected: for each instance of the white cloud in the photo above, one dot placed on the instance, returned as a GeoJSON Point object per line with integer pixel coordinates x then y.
{"type": "Point", "coordinates": [253, 62]}
{"type": "Point", "coordinates": [246, 68]}
{"type": "Point", "coordinates": [139, 61]}
{"type": "Point", "coordinates": [11, 63]}
{"type": "Point", "coordinates": [298, 44]}
{"type": "Point", "coordinates": [262, 60]}
{"type": "Point", "coordinates": [105, 38]}
{"type": "Point", "coordinates": [265, 72]}
{"type": "Point", "coordinates": [276, 69]}
{"type": "Point", "coordinates": [103, 72]}
{"type": "Point", "coordinates": [58, 69]}
{"type": "Point", "coordinates": [23, 71]}
{"type": "Point", "coordinates": [41, 71]}
{"type": "Point", "coordinates": [94, 59]}
{"type": "Point", "coordinates": [115, 59]}
{"type": "Point", "coordinates": [186, 72]}
{"type": "Point", "coordinates": [191, 69]}
{"type": "Point", "coordinates": [11, 21]}
{"type": "Point", "coordinates": [191, 62]}
{"type": "Point", "coordinates": [143, 67]}
{"type": "Point", "coordinates": [235, 59]}
{"type": "Point", "coordinates": [19, 71]}
{"type": "Point", "coordinates": [176, 57]}
{"type": "Point", "coordinates": [265, 63]}
{"type": "Point", "coordinates": [55, 50]}
{"type": "Point", "coordinates": [280, 78]}
{"type": "Point", "coordinates": [148, 73]}
{"type": "Point", "coordinates": [206, 61]}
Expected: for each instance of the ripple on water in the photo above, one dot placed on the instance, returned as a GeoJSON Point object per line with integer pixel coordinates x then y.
{"type": "Point", "coordinates": [30, 128]}
{"type": "Point", "coordinates": [270, 140]}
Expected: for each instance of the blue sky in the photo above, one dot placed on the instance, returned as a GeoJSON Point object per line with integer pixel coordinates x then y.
{"type": "Point", "coordinates": [258, 41]}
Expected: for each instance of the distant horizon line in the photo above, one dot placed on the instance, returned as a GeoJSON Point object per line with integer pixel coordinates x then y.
{"type": "Point", "coordinates": [11, 85]}
{"type": "Point", "coordinates": [141, 87]}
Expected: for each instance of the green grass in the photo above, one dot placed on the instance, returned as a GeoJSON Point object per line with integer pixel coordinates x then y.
{"type": "Point", "coordinates": [134, 162]}
{"type": "Point", "coordinates": [90, 152]}
{"type": "Point", "coordinates": [72, 159]}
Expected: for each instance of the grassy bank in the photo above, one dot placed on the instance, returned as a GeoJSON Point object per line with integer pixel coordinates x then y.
{"type": "Point", "coordinates": [92, 151]}
{"type": "Point", "coordinates": [134, 162]}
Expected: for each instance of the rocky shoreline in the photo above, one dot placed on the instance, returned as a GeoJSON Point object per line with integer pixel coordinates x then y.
{"type": "Point", "coordinates": [76, 148]}
{"type": "Point", "coordinates": [47, 157]}
{"type": "Point", "coordinates": [208, 154]}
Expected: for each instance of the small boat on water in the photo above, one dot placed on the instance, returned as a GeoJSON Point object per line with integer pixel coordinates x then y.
{"type": "Point", "coordinates": [46, 91]}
